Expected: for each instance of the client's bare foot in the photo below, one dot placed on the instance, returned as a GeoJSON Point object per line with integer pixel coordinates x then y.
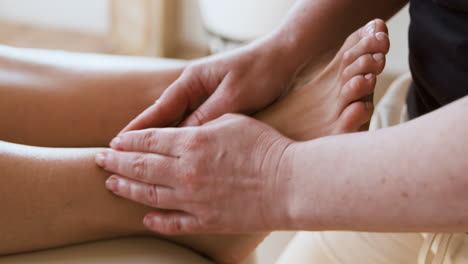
{"type": "Point", "coordinates": [337, 100]}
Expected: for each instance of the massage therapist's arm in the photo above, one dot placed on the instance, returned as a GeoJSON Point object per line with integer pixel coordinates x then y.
{"type": "Point", "coordinates": [237, 175]}
{"type": "Point", "coordinates": [412, 177]}
{"type": "Point", "coordinates": [249, 79]}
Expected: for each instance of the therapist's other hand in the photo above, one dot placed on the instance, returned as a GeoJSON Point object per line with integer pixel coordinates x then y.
{"type": "Point", "coordinates": [241, 81]}
{"type": "Point", "coordinates": [227, 176]}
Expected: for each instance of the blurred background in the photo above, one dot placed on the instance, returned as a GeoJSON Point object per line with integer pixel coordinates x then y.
{"type": "Point", "coordinates": [159, 28]}
{"type": "Point", "coordinates": [183, 29]}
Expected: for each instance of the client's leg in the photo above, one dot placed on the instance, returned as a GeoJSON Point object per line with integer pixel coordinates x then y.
{"type": "Point", "coordinates": [56, 196]}
{"type": "Point", "coordinates": [71, 101]}
{"type": "Point", "coordinates": [49, 102]}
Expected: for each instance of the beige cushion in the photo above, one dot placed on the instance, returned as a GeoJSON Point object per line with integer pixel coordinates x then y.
{"type": "Point", "coordinates": [136, 250]}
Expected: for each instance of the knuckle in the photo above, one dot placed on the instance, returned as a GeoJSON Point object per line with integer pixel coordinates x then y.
{"type": "Point", "coordinates": [368, 43]}
{"type": "Point", "coordinates": [193, 227]}
{"type": "Point", "coordinates": [210, 220]}
{"type": "Point", "coordinates": [347, 57]}
{"type": "Point", "coordinates": [149, 140]}
{"type": "Point", "coordinates": [191, 181]}
{"type": "Point", "coordinates": [196, 141]}
{"type": "Point", "coordinates": [175, 226]}
{"type": "Point", "coordinates": [199, 117]}
{"type": "Point", "coordinates": [153, 196]}
{"type": "Point", "coordinates": [140, 167]}
{"type": "Point", "coordinates": [357, 83]}
{"type": "Point", "coordinates": [365, 61]}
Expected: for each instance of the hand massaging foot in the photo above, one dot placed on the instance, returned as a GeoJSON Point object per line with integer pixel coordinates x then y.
{"type": "Point", "coordinates": [334, 102]}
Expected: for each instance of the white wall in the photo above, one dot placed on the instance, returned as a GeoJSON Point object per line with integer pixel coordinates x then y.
{"type": "Point", "coordinates": [397, 59]}
{"type": "Point", "coordinates": [90, 16]}
{"type": "Point", "coordinates": [244, 19]}
{"type": "Point", "coordinates": [191, 31]}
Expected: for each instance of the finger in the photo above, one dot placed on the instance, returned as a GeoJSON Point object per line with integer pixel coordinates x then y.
{"type": "Point", "coordinates": [169, 110]}
{"type": "Point", "coordinates": [218, 104]}
{"type": "Point", "coordinates": [155, 196]}
{"type": "Point", "coordinates": [172, 223]}
{"type": "Point", "coordinates": [147, 168]}
{"type": "Point", "coordinates": [164, 141]}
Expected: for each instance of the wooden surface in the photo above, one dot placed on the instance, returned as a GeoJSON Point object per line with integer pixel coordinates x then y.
{"type": "Point", "coordinates": [46, 38]}
{"type": "Point", "coordinates": [138, 27]}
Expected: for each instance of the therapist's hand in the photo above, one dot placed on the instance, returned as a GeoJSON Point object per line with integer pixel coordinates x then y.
{"type": "Point", "coordinates": [228, 176]}
{"type": "Point", "coordinates": [244, 81]}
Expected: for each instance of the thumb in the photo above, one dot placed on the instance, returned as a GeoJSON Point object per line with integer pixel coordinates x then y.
{"type": "Point", "coordinates": [217, 105]}
{"type": "Point", "coordinates": [169, 110]}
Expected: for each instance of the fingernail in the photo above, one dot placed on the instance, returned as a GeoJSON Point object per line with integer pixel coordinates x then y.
{"type": "Point", "coordinates": [370, 28]}
{"type": "Point", "coordinates": [378, 57]}
{"type": "Point", "coordinates": [101, 159]}
{"type": "Point", "coordinates": [147, 221]}
{"type": "Point", "coordinates": [115, 143]}
{"type": "Point", "coordinates": [368, 76]}
{"type": "Point", "coordinates": [380, 36]}
{"type": "Point", "coordinates": [112, 184]}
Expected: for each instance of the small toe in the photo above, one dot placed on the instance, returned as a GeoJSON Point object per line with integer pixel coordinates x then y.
{"type": "Point", "coordinates": [359, 87]}
{"type": "Point", "coordinates": [355, 116]}
{"type": "Point", "coordinates": [369, 63]}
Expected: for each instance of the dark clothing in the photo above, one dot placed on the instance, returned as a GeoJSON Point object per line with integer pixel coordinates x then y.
{"type": "Point", "coordinates": [438, 43]}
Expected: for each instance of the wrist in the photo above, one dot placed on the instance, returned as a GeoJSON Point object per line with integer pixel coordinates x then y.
{"type": "Point", "coordinates": [285, 178]}
{"type": "Point", "coordinates": [280, 57]}
{"type": "Point", "coordinates": [304, 188]}
{"type": "Point", "coordinates": [292, 47]}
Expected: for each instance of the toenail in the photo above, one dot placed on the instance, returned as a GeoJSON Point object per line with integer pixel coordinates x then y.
{"type": "Point", "coordinates": [378, 57]}
{"type": "Point", "coordinates": [380, 36]}
{"type": "Point", "coordinates": [370, 28]}
{"type": "Point", "coordinates": [369, 76]}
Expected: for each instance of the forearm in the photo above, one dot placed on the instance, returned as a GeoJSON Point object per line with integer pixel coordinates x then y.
{"type": "Point", "coordinates": [71, 100]}
{"type": "Point", "coordinates": [407, 178]}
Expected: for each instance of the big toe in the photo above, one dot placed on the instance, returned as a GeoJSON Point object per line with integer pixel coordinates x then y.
{"type": "Point", "coordinates": [379, 43]}
{"type": "Point", "coordinates": [359, 87]}
{"type": "Point", "coordinates": [370, 29]}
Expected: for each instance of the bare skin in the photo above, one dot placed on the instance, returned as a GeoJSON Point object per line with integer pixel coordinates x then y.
{"type": "Point", "coordinates": [68, 208]}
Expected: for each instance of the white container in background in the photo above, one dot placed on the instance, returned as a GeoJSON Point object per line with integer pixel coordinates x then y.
{"type": "Point", "coordinates": [243, 20]}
